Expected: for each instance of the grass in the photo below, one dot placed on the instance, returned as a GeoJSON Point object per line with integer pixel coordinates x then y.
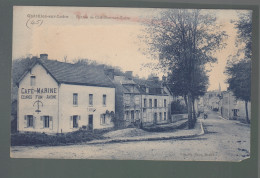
{"type": "Point", "coordinates": [42, 139]}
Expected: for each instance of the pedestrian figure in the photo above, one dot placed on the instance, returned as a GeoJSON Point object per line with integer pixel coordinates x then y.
{"type": "Point", "coordinates": [205, 115]}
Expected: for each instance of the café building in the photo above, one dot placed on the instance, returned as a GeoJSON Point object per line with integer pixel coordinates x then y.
{"type": "Point", "coordinates": [57, 97]}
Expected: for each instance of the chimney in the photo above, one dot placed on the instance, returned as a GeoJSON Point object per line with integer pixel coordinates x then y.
{"type": "Point", "coordinates": [129, 74]}
{"type": "Point", "coordinates": [110, 73]}
{"type": "Point", "coordinates": [164, 78]}
{"type": "Point", "coordinates": [44, 56]}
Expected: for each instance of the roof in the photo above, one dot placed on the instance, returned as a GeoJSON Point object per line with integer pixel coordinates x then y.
{"type": "Point", "coordinates": [74, 74]}
{"type": "Point", "coordinates": [155, 87]}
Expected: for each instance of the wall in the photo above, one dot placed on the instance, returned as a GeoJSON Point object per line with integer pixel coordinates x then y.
{"type": "Point", "coordinates": [148, 114]}
{"type": "Point", "coordinates": [28, 97]}
{"type": "Point", "coordinates": [83, 109]}
{"type": "Point", "coordinates": [229, 103]}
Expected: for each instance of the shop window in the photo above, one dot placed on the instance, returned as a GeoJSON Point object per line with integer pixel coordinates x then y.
{"type": "Point", "coordinates": [74, 121]}
{"type": "Point", "coordinates": [29, 120]}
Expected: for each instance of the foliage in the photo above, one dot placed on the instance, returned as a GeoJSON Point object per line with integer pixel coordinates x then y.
{"type": "Point", "coordinates": [239, 70]}
{"type": "Point", "coordinates": [19, 66]}
{"type": "Point", "coordinates": [244, 32]}
{"type": "Point", "coordinates": [184, 41]}
{"type": "Point", "coordinates": [239, 79]}
{"type": "Point", "coordinates": [178, 108]}
{"type": "Point", "coordinates": [32, 138]}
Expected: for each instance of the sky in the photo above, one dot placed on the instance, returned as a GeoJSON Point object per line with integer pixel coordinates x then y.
{"type": "Point", "coordinates": [106, 35]}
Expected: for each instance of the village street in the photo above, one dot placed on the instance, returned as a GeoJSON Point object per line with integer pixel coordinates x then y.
{"type": "Point", "coordinates": [224, 140]}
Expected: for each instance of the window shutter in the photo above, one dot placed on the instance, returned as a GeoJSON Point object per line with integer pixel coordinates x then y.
{"type": "Point", "coordinates": [51, 122]}
{"type": "Point", "coordinates": [34, 122]}
{"type": "Point", "coordinates": [25, 122]}
{"type": "Point", "coordinates": [78, 121]}
{"type": "Point", "coordinates": [71, 120]}
{"type": "Point", "coordinates": [42, 121]}
{"type": "Point", "coordinates": [100, 119]}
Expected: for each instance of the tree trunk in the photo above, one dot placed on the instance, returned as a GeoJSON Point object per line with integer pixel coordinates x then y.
{"type": "Point", "coordinates": [190, 125]}
{"type": "Point", "coordinates": [194, 112]}
{"type": "Point", "coordinates": [247, 118]}
{"type": "Point", "coordinates": [186, 102]}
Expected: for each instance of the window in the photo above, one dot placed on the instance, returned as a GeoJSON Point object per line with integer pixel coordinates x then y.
{"type": "Point", "coordinates": [75, 121]}
{"type": "Point", "coordinates": [33, 78]}
{"type": "Point", "coordinates": [137, 100]}
{"type": "Point", "coordinates": [127, 115]}
{"type": "Point", "coordinates": [160, 103]}
{"type": "Point", "coordinates": [28, 120]}
{"type": "Point", "coordinates": [104, 100]}
{"type": "Point", "coordinates": [150, 103]}
{"type": "Point", "coordinates": [155, 103]}
{"type": "Point", "coordinates": [103, 119]}
{"type": "Point", "coordinates": [145, 103]}
{"type": "Point", "coordinates": [90, 99]}
{"type": "Point", "coordinates": [127, 99]}
{"type": "Point", "coordinates": [46, 121]}
{"type": "Point", "coordinates": [75, 99]}
{"type": "Point", "coordinates": [164, 103]}
{"type": "Point", "coordinates": [160, 115]}
{"type": "Point", "coordinates": [164, 118]}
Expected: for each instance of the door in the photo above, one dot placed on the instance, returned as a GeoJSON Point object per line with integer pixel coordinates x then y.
{"type": "Point", "coordinates": [155, 118]}
{"type": "Point", "coordinates": [90, 122]}
{"type": "Point", "coordinates": [132, 116]}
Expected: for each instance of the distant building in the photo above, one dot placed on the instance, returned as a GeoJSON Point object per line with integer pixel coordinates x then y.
{"type": "Point", "coordinates": [231, 108]}
{"type": "Point", "coordinates": [211, 99]}
{"type": "Point", "coordinates": [55, 97]}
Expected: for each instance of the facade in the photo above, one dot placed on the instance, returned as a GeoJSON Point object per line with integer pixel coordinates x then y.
{"type": "Point", "coordinates": [128, 99]}
{"type": "Point", "coordinates": [231, 108]}
{"type": "Point", "coordinates": [56, 97]}
{"type": "Point", "coordinates": [140, 101]}
{"type": "Point", "coordinates": [155, 101]}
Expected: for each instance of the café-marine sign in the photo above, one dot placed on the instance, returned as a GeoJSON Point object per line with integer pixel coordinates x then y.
{"type": "Point", "coordinates": [39, 93]}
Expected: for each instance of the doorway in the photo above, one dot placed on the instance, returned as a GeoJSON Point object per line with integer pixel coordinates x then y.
{"type": "Point", "coordinates": [90, 122]}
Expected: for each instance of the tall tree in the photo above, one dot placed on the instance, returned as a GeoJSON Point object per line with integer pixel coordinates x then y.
{"type": "Point", "coordinates": [239, 67]}
{"type": "Point", "coordinates": [239, 80]}
{"type": "Point", "coordinates": [184, 39]}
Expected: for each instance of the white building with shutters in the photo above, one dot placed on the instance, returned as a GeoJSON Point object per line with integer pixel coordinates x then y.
{"type": "Point", "coordinates": [57, 97]}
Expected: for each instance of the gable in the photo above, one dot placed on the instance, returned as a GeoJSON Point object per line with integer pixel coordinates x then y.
{"type": "Point", "coordinates": [42, 77]}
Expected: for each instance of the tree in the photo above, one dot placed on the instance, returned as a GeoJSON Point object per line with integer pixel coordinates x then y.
{"type": "Point", "coordinates": [239, 70]}
{"type": "Point", "coordinates": [184, 40]}
{"type": "Point", "coordinates": [240, 81]}
{"type": "Point", "coordinates": [244, 33]}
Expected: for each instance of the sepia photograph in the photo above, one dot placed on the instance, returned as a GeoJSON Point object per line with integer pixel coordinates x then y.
{"type": "Point", "coordinates": [112, 83]}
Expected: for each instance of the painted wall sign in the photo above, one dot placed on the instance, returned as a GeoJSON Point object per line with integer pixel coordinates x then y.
{"type": "Point", "coordinates": [38, 93]}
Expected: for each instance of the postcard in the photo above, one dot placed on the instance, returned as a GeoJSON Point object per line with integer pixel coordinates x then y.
{"type": "Point", "coordinates": [131, 83]}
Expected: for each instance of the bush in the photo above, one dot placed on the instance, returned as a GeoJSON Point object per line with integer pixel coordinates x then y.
{"type": "Point", "coordinates": [178, 108]}
{"type": "Point", "coordinates": [33, 138]}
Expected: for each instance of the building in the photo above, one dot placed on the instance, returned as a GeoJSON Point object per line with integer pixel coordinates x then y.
{"type": "Point", "coordinates": [155, 101]}
{"type": "Point", "coordinates": [56, 97]}
{"type": "Point", "coordinates": [232, 108]}
{"type": "Point", "coordinates": [128, 98]}
{"type": "Point", "coordinates": [139, 101]}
